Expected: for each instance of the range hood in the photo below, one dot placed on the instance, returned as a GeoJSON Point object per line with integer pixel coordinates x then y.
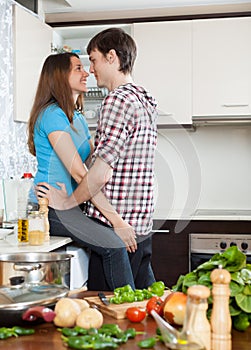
{"type": "Point", "coordinates": [221, 120]}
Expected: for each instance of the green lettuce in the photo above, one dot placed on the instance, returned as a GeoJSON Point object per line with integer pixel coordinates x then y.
{"type": "Point", "coordinates": [234, 261]}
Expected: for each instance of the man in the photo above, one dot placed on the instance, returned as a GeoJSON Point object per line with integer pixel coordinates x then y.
{"type": "Point", "coordinates": [125, 143]}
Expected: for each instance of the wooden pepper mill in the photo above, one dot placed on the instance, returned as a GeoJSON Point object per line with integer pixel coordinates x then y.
{"type": "Point", "coordinates": [43, 209]}
{"type": "Point", "coordinates": [201, 328]}
{"type": "Point", "coordinates": [221, 322]}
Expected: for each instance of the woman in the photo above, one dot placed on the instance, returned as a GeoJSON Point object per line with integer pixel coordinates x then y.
{"type": "Point", "coordinates": [60, 140]}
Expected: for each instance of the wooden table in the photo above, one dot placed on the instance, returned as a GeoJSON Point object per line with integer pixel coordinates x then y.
{"type": "Point", "coordinates": [47, 337]}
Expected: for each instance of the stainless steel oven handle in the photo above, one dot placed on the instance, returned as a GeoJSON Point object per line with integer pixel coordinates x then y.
{"type": "Point", "coordinates": [160, 231]}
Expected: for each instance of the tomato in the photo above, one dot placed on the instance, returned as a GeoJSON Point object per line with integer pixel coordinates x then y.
{"type": "Point", "coordinates": [135, 314]}
{"type": "Point", "coordinates": [156, 304]}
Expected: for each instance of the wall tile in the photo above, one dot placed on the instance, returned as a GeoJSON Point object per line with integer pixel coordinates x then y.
{"type": "Point", "coordinates": [15, 158]}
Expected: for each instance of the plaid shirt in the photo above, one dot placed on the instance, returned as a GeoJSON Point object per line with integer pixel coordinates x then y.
{"type": "Point", "coordinates": [126, 138]}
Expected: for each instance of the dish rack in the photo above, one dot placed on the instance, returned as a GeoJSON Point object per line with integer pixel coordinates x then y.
{"type": "Point", "coordinates": [95, 93]}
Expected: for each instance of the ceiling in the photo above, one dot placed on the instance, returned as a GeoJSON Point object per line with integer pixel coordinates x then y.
{"type": "Point", "coordinates": [91, 10]}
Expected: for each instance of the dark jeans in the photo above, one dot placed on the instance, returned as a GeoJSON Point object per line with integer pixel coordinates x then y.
{"type": "Point", "coordinates": [140, 264]}
{"type": "Point", "coordinates": [101, 239]}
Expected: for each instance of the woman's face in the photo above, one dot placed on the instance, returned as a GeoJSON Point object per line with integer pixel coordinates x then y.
{"type": "Point", "coordinates": [77, 77]}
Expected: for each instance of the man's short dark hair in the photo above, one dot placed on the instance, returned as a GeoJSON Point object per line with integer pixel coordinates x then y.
{"type": "Point", "coordinates": [120, 41]}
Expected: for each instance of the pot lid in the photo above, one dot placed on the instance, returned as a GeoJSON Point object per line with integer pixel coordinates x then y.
{"type": "Point", "coordinates": [25, 297]}
{"type": "Point", "coordinates": [34, 257]}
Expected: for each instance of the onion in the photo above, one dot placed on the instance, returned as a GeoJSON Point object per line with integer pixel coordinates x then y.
{"type": "Point", "coordinates": [174, 309]}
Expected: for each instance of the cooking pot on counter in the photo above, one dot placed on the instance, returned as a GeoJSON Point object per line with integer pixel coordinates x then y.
{"type": "Point", "coordinates": [29, 280]}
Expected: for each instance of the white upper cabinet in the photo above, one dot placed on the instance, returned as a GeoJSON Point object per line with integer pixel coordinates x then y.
{"type": "Point", "coordinates": [163, 66]}
{"type": "Point", "coordinates": [222, 67]}
{"type": "Point", "coordinates": [33, 40]}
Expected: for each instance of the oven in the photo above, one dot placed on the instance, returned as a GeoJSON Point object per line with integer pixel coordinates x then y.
{"type": "Point", "coordinates": [202, 246]}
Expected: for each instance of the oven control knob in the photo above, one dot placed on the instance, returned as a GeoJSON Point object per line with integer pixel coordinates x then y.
{"type": "Point", "coordinates": [232, 243]}
{"type": "Point", "coordinates": [223, 245]}
{"type": "Point", "coordinates": [244, 246]}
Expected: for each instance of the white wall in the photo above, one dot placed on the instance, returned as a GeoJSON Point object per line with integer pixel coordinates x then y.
{"type": "Point", "coordinates": [207, 169]}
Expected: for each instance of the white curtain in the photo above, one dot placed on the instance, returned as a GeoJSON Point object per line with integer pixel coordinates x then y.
{"type": "Point", "coordinates": [14, 156]}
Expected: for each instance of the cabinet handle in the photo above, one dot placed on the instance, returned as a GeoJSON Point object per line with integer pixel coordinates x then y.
{"type": "Point", "coordinates": [165, 114]}
{"type": "Point", "coordinates": [235, 105]}
{"type": "Point", "coordinates": [160, 231]}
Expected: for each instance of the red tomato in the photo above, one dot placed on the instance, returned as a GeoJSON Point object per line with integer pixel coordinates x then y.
{"type": "Point", "coordinates": [156, 304]}
{"type": "Point", "coordinates": [135, 314]}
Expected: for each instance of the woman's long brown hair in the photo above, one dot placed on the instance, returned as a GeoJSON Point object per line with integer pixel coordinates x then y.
{"type": "Point", "coordinates": [53, 87]}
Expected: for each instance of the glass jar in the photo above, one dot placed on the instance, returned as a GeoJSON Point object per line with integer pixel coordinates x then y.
{"type": "Point", "coordinates": [43, 209]}
{"type": "Point", "coordinates": [196, 331]}
{"type": "Point", "coordinates": [36, 228]}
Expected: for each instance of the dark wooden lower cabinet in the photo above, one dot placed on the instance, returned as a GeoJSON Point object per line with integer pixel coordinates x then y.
{"type": "Point", "coordinates": [170, 256]}
{"type": "Point", "coordinates": [170, 244]}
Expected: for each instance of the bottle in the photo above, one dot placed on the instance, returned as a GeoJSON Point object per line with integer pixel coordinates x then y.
{"type": "Point", "coordinates": [43, 210]}
{"type": "Point", "coordinates": [221, 322]}
{"type": "Point", "coordinates": [36, 228]}
{"type": "Point", "coordinates": [24, 206]}
{"type": "Point", "coordinates": [196, 331]}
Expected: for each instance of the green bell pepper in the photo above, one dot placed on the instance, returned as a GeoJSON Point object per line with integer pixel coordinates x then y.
{"type": "Point", "coordinates": [241, 322]}
{"type": "Point", "coordinates": [157, 288]}
{"type": "Point", "coordinates": [147, 343]}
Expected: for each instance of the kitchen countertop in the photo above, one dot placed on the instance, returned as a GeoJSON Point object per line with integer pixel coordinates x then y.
{"type": "Point", "coordinates": [47, 336]}
{"type": "Point", "coordinates": [222, 214]}
{"type": "Point", "coordinates": [205, 214]}
{"type": "Point", "coordinates": [11, 245]}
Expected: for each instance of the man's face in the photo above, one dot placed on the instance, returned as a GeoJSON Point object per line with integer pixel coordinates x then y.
{"type": "Point", "coordinates": [100, 68]}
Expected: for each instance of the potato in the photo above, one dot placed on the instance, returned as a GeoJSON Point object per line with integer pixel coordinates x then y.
{"type": "Point", "coordinates": [89, 318]}
{"type": "Point", "coordinates": [83, 304]}
{"type": "Point", "coordinates": [66, 310]}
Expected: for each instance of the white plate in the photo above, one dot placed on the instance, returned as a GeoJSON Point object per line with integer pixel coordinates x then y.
{"type": "Point", "coordinates": [90, 114]}
{"type": "Point", "coordinates": [5, 232]}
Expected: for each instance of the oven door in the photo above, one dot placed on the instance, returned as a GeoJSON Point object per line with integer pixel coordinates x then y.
{"type": "Point", "coordinates": [197, 259]}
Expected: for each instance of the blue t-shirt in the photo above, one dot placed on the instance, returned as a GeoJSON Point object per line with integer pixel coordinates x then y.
{"type": "Point", "coordinates": [50, 168]}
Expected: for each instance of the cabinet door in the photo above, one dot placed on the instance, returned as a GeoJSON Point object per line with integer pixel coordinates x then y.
{"type": "Point", "coordinates": [32, 44]}
{"type": "Point", "coordinates": [170, 256]}
{"type": "Point", "coordinates": [222, 67]}
{"type": "Point", "coordinates": [163, 67]}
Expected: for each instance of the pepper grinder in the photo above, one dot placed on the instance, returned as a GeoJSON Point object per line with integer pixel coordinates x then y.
{"type": "Point", "coordinates": [196, 329]}
{"type": "Point", "coordinates": [43, 209]}
{"type": "Point", "coordinates": [220, 319]}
